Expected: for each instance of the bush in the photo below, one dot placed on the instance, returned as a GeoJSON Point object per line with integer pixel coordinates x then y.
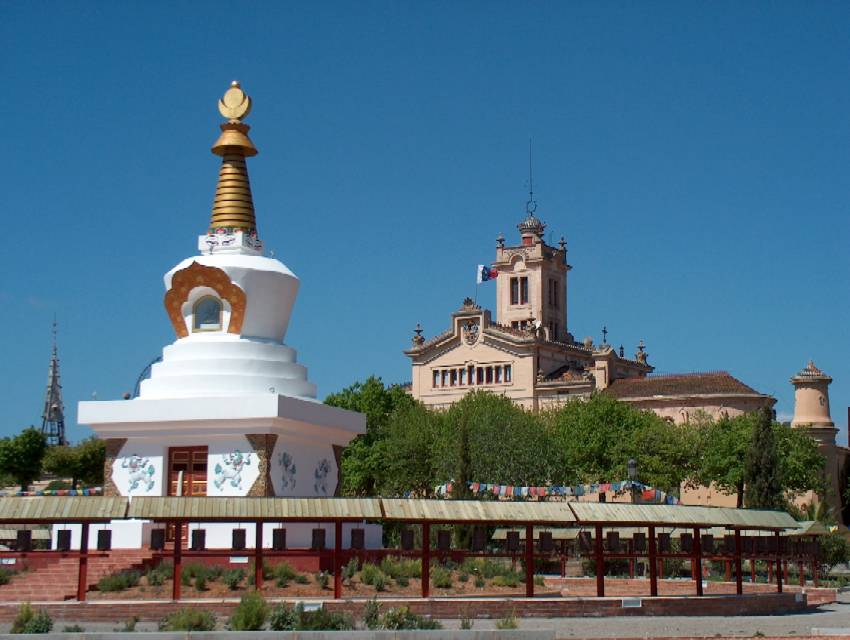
{"type": "Point", "coordinates": [283, 618]}
{"type": "Point", "coordinates": [322, 620]}
{"type": "Point", "coordinates": [188, 619]}
{"type": "Point", "coordinates": [200, 583]}
{"type": "Point", "coordinates": [834, 550]}
{"type": "Point", "coordinates": [283, 572]}
{"type": "Point", "coordinates": [401, 568]}
{"type": "Point", "coordinates": [372, 614]}
{"type": "Point", "coordinates": [323, 579]}
{"type": "Point", "coordinates": [479, 582]}
{"type": "Point", "coordinates": [380, 582]}
{"type": "Point", "coordinates": [441, 578]}
{"type": "Point", "coordinates": [233, 578]}
{"type": "Point", "coordinates": [463, 577]}
{"type": "Point", "coordinates": [402, 581]}
{"type": "Point", "coordinates": [539, 582]}
{"type": "Point", "coordinates": [349, 570]}
{"type": "Point", "coordinates": [508, 622]}
{"type": "Point", "coordinates": [73, 628]}
{"type": "Point", "coordinates": [302, 579]}
{"type": "Point", "coordinates": [130, 624]}
{"type": "Point", "coordinates": [250, 613]}
{"type": "Point", "coordinates": [29, 621]}
{"type": "Point", "coordinates": [119, 581]}
{"type": "Point", "coordinates": [368, 573]}
{"type": "Point", "coordinates": [402, 618]}
{"type": "Point", "coordinates": [508, 580]}
{"type": "Point", "coordinates": [5, 575]}
{"type": "Point", "coordinates": [156, 576]}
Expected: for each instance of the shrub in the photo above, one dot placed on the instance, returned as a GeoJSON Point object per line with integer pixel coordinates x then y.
{"type": "Point", "coordinates": [508, 580]}
{"type": "Point", "coordinates": [30, 621]}
{"type": "Point", "coordinates": [380, 582]}
{"type": "Point", "coordinates": [538, 581]}
{"type": "Point", "coordinates": [368, 573]}
{"type": "Point", "coordinates": [188, 619]}
{"type": "Point", "coordinates": [479, 582]}
{"type": "Point", "coordinates": [508, 622]}
{"type": "Point", "coordinates": [233, 578]}
{"type": "Point", "coordinates": [130, 624]}
{"type": "Point", "coordinates": [402, 618]}
{"type": "Point", "coordinates": [372, 614]}
{"type": "Point", "coordinates": [156, 576]}
{"type": "Point", "coordinates": [5, 575]}
{"type": "Point", "coordinates": [322, 620]}
{"type": "Point", "coordinates": [402, 581]}
{"type": "Point", "coordinates": [349, 570]}
{"type": "Point", "coordinates": [463, 577]}
{"type": "Point", "coordinates": [200, 583]}
{"type": "Point", "coordinates": [323, 579]}
{"type": "Point", "coordinates": [73, 628]}
{"type": "Point", "coordinates": [441, 578]}
{"type": "Point", "coordinates": [250, 614]}
{"type": "Point", "coordinates": [119, 581]}
{"type": "Point", "coordinates": [283, 572]}
{"type": "Point", "coordinates": [301, 579]}
{"type": "Point", "coordinates": [283, 618]}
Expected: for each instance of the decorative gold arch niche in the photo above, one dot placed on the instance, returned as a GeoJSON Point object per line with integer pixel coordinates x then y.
{"type": "Point", "coordinates": [198, 275]}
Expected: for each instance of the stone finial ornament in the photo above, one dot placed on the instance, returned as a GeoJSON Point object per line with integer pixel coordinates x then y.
{"type": "Point", "coordinates": [235, 104]}
{"type": "Point", "coordinates": [418, 340]}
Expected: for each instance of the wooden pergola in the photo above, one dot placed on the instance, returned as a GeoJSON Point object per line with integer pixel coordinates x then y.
{"type": "Point", "coordinates": [594, 522]}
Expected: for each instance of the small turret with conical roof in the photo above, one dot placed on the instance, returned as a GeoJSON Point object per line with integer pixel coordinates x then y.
{"type": "Point", "coordinates": [811, 403]}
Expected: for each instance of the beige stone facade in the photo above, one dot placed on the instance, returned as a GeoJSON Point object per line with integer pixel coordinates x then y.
{"type": "Point", "coordinates": [529, 355]}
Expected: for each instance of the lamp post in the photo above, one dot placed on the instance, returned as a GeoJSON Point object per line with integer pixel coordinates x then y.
{"type": "Point", "coordinates": [632, 472]}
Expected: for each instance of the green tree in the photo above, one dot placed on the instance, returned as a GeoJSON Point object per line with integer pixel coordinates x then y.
{"type": "Point", "coordinates": [82, 462]}
{"type": "Point", "coordinates": [594, 440]}
{"type": "Point", "coordinates": [834, 549]}
{"type": "Point", "coordinates": [723, 447]}
{"type": "Point", "coordinates": [363, 460]}
{"type": "Point", "coordinates": [801, 464]}
{"type": "Point", "coordinates": [21, 456]}
{"type": "Point", "coordinates": [408, 449]}
{"type": "Point", "coordinates": [762, 471]}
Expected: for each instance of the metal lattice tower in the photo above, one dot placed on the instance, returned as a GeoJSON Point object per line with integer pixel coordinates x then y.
{"type": "Point", "coordinates": [53, 417]}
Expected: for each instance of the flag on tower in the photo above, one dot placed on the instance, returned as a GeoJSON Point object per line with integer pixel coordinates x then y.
{"type": "Point", "coordinates": [485, 273]}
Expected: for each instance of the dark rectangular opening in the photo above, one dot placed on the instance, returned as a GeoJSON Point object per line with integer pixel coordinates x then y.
{"type": "Point", "coordinates": [444, 540]}
{"type": "Point", "coordinates": [358, 538]}
{"type": "Point", "coordinates": [279, 539]}
{"type": "Point", "coordinates": [199, 539]}
{"type": "Point", "coordinates": [513, 540]}
{"type": "Point", "coordinates": [23, 540]}
{"type": "Point", "coordinates": [63, 540]}
{"type": "Point", "coordinates": [639, 540]}
{"type": "Point", "coordinates": [545, 541]}
{"type": "Point", "coordinates": [239, 539]}
{"type": "Point", "coordinates": [104, 540]}
{"type": "Point", "coordinates": [157, 539]}
{"type": "Point", "coordinates": [407, 539]}
{"type": "Point", "coordinates": [318, 539]}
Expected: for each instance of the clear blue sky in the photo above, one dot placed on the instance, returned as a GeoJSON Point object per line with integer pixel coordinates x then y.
{"type": "Point", "coordinates": [695, 156]}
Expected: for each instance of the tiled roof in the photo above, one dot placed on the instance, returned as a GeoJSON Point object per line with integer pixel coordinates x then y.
{"type": "Point", "coordinates": [680, 384]}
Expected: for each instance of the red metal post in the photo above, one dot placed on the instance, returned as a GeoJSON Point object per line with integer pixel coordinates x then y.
{"type": "Point", "coordinates": [778, 565]}
{"type": "Point", "coordinates": [337, 559]}
{"type": "Point", "coordinates": [739, 577]}
{"type": "Point", "coordinates": [697, 560]}
{"type": "Point", "coordinates": [529, 561]}
{"type": "Point", "coordinates": [258, 556]}
{"type": "Point", "coordinates": [82, 573]}
{"type": "Point", "coordinates": [653, 564]}
{"type": "Point", "coordinates": [600, 562]}
{"type": "Point", "coordinates": [178, 560]}
{"type": "Point", "coordinates": [426, 559]}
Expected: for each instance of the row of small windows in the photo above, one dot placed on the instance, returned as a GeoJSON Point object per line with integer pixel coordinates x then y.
{"type": "Point", "coordinates": [471, 375]}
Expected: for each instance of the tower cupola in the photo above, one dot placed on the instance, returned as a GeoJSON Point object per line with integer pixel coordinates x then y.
{"type": "Point", "coordinates": [811, 398]}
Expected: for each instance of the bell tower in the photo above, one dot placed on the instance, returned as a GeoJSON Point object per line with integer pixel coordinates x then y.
{"type": "Point", "coordinates": [531, 290]}
{"type": "Point", "coordinates": [811, 404]}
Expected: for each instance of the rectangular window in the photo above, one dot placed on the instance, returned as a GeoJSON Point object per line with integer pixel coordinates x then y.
{"type": "Point", "coordinates": [514, 290]}
{"type": "Point", "coordinates": [453, 377]}
{"type": "Point", "coordinates": [498, 374]}
{"type": "Point", "coordinates": [445, 378]}
{"type": "Point", "coordinates": [514, 324]}
{"type": "Point", "coordinates": [479, 376]}
{"type": "Point", "coordinates": [507, 373]}
{"type": "Point", "coordinates": [436, 379]}
{"type": "Point", "coordinates": [555, 289]}
{"type": "Point", "coordinates": [523, 290]}
{"type": "Point", "coordinates": [555, 335]}
{"type": "Point", "coordinates": [489, 375]}
{"type": "Point", "coordinates": [551, 302]}
{"type": "Point", "coordinates": [471, 375]}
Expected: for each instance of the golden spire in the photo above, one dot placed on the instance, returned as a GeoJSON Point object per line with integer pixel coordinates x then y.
{"type": "Point", "coordinates": [233, 207]}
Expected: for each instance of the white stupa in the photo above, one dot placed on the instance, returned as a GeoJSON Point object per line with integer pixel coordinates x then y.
{"type": "Point", "coordinates": [228, 411]}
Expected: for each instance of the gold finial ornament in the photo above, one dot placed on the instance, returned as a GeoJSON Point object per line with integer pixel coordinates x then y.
{"type": "Point", "coordinates": [235, 104]}
{"type": "Point", "coordinates": [233, 206]}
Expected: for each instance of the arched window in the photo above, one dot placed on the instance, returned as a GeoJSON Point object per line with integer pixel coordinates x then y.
{"type": "Point", "coordinates": [206, 314]}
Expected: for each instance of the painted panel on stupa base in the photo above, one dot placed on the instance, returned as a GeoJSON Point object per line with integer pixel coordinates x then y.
{"type": "Point", "coordinates": [138, 469]}
{"type": "Point", "coordinates": [303, 469]}
{"type": "Point", "coordinates": [232, 467]}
